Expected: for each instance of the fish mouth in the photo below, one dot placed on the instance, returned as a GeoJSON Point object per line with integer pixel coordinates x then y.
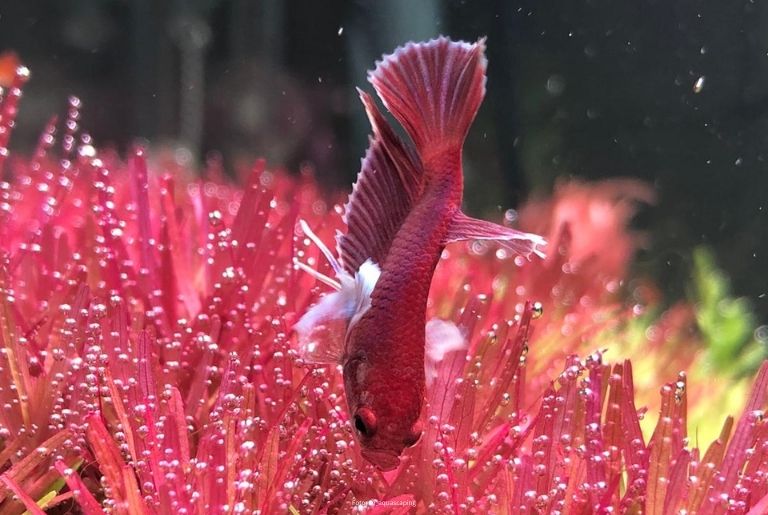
{"type": "Point", "coordinates": [383, 459]}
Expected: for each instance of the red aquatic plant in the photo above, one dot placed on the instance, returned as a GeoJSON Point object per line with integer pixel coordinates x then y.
{"type": "Point", "coordinates": [148, 362]}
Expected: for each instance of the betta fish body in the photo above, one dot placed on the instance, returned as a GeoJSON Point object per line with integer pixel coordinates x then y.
{"type": "Point", "coordinates": [403, 210]}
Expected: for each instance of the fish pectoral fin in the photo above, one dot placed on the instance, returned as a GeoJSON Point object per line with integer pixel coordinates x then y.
{"type": "Point", "coordinates": [441, 338]}
{"type": "Point", "coordinates": [322, 330]}
{"type": "Point", "coordinates": [465, 227]}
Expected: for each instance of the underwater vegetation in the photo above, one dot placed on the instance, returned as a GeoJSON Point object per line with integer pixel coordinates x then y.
{"type": "Point", "coordinates": [148, 362]}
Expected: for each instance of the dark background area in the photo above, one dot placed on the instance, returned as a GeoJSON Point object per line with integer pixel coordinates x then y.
{"type": "Point", "coordinates": [674, 93]}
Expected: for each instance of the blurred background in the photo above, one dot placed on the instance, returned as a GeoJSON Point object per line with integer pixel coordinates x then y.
{"type": "Point", "coordinates": [673, 93]}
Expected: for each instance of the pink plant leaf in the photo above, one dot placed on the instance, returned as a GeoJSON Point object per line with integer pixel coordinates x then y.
{"type": "Point", "coordinates": [108, 456]}
{"type": "Point", "coordinates": [760, 507]}
{"type": "Point", "coordinates": [706, 470]}
{"type": "Point", "coordinates": [84, 497]}
{"type": "Point", "coordinates": [21, 471]}
{"type": "Point", "coordinates": [664, 445]}
{"type": "Point", "coordinates": [22, 495]}
{"type": "Point", "coordinates": [743, 436]}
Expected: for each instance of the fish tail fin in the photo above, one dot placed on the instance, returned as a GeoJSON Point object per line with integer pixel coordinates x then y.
{"type": "Point", "coordinates": [434, 89]}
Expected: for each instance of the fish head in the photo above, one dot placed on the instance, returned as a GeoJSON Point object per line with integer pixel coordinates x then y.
{"type": "Point", "coordinates": [385, 421]}
{"type": "Point", "coordinates": [383, 443]}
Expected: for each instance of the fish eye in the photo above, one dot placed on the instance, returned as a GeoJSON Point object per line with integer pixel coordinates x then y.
{"type": "Point", "coordinates": [365, 422]}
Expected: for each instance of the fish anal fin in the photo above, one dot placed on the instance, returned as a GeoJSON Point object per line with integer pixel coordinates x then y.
{"type": "Point", "coordinates": [434, 89]}
{"type": "Point", "coordinates": [388, 185]}
{"type": "Point", "coordinates": [405, 162]}
{"type": "Point", "coordinates": [463, 228]}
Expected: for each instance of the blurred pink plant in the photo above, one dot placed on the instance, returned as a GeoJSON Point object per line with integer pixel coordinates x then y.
{"type": "Point", "coordinates": [147, 361]}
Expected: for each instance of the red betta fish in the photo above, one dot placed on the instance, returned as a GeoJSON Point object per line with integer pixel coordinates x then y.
{"type": "Point", "coordinates": [403, 210]}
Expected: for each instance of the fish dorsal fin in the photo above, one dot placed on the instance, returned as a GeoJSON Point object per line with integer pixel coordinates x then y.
{"type": "Point", "coordinates": [434, 89]}
{"type": "Point", "coordinates": [388, 185]}
{"type": "Point", "coordinates": [465, 227]}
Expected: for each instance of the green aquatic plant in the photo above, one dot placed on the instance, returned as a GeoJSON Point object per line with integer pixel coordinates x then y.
{"type": "Point", "coordinates": [727, 323]}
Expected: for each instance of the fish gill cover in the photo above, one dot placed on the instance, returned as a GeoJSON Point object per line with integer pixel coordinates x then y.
{"type": "Point", "coordinates": [148, 367]}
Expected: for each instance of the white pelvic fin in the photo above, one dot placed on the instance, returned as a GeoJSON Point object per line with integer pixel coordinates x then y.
{"type": "Point", "coordinates": [323, 329]}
